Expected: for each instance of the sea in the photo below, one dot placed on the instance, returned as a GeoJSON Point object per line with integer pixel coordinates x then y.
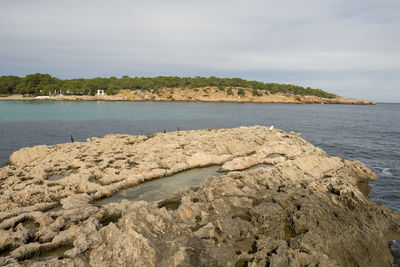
{"type": "Point", "coordinates": [370, 134]}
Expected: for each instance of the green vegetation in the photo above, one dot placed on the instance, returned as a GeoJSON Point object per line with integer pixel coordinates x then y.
{"type": "Point", "coordinates": [241, 92]}
{"type": "Point", "coordinates": [44, 84]}
{"type": "Point", "coordinates": [8, 84]}
{"type": "Point", "coordinates": [255, 92]}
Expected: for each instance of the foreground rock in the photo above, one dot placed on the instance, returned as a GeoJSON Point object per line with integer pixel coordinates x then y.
{"type": "Point", "coordinates": [301, 207]}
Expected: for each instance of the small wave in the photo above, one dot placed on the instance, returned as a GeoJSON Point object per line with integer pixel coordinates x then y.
{"type": "Point", "coordinates": [386, 172]}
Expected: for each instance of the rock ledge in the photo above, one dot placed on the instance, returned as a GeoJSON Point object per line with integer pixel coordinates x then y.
{"type": "Point", "coordinates": [301, 207]}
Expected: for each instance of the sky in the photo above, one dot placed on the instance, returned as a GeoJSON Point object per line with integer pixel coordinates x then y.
{"type": "Point", "coordinates": [350, 48]}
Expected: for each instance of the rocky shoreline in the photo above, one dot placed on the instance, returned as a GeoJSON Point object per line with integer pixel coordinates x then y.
{"type": "Point", "coordinates": [204, 94]}
{"type": "Point", "coordinates": [302, 207]}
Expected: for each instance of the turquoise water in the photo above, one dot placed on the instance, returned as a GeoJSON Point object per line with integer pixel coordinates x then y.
{"type": "Point", "coordinates": [34, 110]}
{"type": "Point", "coordinates": [367, 133]}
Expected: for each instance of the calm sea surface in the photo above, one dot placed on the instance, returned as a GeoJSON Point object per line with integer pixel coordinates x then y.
{"type": "Point", "coordinates": [370, 134]}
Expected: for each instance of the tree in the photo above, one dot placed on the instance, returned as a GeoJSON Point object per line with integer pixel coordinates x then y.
{"type": "Point", "coordinates": [255, 92]}
{"type": "Point", "coordinates": [8, 84]}
{"type": "Point", "coordinates": [44, 83]}
{"type": "Point", "coordinates": [34, 83]}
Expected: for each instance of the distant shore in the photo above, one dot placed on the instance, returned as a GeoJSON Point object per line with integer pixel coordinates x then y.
{"type": "Point", "coordinates": [16, 97]}
{"type": "Point", "coordinates": [206, 94]}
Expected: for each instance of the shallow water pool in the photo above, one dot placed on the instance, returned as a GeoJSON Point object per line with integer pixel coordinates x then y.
{"type": "Point", "coordinates": [158, 189]}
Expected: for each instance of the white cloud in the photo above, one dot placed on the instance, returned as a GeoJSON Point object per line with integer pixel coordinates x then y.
{"type": "Point", "coordinates": [247, 38]}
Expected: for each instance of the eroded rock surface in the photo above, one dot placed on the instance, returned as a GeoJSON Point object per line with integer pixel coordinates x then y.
{"type": "Point", "coordinates": [301, 207]}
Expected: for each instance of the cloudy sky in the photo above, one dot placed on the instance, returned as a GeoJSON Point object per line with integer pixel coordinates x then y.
{"type": "Point", "coordinates": [351, 48]}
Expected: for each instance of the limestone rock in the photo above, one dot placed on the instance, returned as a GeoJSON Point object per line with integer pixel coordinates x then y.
{"type": "Point", "coordinates": [299, 207]}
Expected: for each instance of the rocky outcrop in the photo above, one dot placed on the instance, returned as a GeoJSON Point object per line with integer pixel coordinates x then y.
{"type": "Point", "coordinates": [299, 207]}
{"type": "Point", "coordinates": [213, 94]}
{"type": "Point", "coordinates": [207, 94]}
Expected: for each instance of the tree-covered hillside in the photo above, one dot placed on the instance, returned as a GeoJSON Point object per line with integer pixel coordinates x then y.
{"type": "Point", "coordinates": [44, 84]}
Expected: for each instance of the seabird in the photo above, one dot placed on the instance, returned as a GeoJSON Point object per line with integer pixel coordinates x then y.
{"type": "Point", "coordinates": [272, 127]}
{"type": "Point", "coordinates": [72, 139]}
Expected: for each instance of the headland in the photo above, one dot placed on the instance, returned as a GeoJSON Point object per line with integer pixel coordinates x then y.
{"type": "Point", "coordinates": [204, 94]}
{"type": "Point", "coordinates": [164, 88]}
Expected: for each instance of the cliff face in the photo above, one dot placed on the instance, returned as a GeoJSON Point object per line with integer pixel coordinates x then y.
{"type": "Point", "coordinates": [301, 207]}
{"type": "Point", "coordinates": [213, 94]}
{"type": "Point", "coordinates": [208, 94]}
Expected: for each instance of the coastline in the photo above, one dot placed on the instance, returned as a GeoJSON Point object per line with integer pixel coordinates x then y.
{"type": "Point", "coordinates": [207, 94]}
{"type": "Point", "coordinates": [297, 208]}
